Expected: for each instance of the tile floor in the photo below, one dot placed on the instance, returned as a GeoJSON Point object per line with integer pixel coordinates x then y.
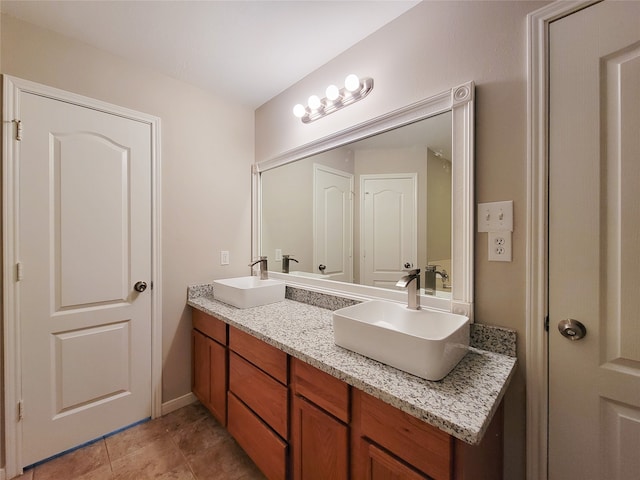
{"type": "Point", "coordinates": [187, 444]}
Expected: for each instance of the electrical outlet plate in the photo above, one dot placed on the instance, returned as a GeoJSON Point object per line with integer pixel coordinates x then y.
{"type": "Point", "coordinates": [499, 246]}
{"type": "Point", "coordinates": [278, 255]}
{"type": "Point", "coordinates": [224, 257]}
{"type": "Point", "coordinates": [495, 217]}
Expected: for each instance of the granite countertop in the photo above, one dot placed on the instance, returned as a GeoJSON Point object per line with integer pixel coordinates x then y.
{"type": "Point", "coordinates": [462, 404]}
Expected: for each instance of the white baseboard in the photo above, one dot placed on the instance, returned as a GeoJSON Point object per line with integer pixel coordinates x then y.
{"type": "Point", "coordinates": [175, 404]}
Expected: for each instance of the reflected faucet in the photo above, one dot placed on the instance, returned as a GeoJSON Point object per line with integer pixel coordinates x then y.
{"type": "Point", "coordinates": [411, 281]}
{"type": "Point", "coordinates": [430, 273]}
{"type": "Point", "coordinates": [430, 279]}
{"type": "Point", "coordinates": [285, 262]}
{"type": "Point", "coordinates": [264, 273]}
{"type": "Point", "coordinates": [445, 278]}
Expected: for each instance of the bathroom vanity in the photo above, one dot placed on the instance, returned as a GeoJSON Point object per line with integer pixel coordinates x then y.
{"type": "Point", "coordinates": [302, 407]}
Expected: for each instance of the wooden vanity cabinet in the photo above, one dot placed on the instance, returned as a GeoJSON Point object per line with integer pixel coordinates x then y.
{"type": "Point", "coordinates": [320, 417]}
{"type": "Point", "coordinates": [328, 430]}
{"type": "Point", "coordinates": [258, 402]}
{"type": "Point", "coordinates": [209, 363]}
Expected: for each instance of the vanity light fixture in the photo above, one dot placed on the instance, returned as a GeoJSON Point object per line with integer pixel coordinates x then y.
{"type": "Point", "coordinates": [335, 98]}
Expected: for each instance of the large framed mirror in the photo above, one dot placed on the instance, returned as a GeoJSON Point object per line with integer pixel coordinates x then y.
{"type": "Point", "coordinates": [349, 213]}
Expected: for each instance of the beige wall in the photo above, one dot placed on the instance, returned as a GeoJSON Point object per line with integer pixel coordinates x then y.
{"type": "Point", "coordinates": [207, 150]}
{"type": "Point", "coordinates": [433, 47]}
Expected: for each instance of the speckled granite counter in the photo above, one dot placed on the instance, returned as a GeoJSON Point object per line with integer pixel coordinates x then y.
{"type": "Point", "coordinates": [462, 404]}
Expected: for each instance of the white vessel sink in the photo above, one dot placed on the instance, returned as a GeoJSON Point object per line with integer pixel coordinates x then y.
{"type": "Point", "coordinates": [247, 292]}
{"type": "Point", "coordinates": [426, 343]}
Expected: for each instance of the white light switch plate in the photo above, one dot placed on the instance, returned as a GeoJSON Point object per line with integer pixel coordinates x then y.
{"type": "Point", "coordinates": [224, 257]}
{"type": "Point", "coordinates": [495, 217]}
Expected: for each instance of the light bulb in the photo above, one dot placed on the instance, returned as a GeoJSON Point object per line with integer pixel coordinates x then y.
{"type": "Point", "coordinates": [332, 93]}
{"type": "Point", "coordinates": [352, 82]}
{"type": "Point", "coordinates": [314, 102]}
{"type": "Point", "coordinates": [299, 110]}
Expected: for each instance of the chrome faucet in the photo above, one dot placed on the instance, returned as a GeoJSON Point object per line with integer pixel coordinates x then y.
{"type": "Point", "coordinates": [264, 273]}
{"type": "Point", "coordinates": [285, 262]}
{"type": "Point", "coordinates": [411, 281]}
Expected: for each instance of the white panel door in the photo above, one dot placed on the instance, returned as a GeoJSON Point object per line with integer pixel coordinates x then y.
{"type": "Point", "coordinates": [389, 233]}
{"type": "Point", "coordinates": [594, 244]}
{"type": "Point", "coordinates": [333, 223]}
{"type": "Point", "coordinates": [84, 240]}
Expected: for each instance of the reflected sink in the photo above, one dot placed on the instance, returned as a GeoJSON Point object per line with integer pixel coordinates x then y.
{"type": "Point", "coordinates": [247, 292]}
{"type": "Point", "coordinates": [426, 343]}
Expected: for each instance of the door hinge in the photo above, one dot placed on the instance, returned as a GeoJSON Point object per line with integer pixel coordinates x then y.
{"type": "Point", "coordinates": [546, 323]}
{"type": "Point", "coordinates": [19, 271]}
{"type": "Point", "coordinates": [18, 129]}
{"type": "Point", "coordinates": [20, 410]}
{"type": "Point", "coordinates": [151, 285]}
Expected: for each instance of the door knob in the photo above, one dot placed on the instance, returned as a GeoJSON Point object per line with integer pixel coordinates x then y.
{"type": "Point", "coordinates": [322, 267]}
{"type": "Point", "coordinates": [140, 286]}
{"type": "Point", "coordinates": [572, 329]}
{"type": "Point", "coordinates": [408, 265]}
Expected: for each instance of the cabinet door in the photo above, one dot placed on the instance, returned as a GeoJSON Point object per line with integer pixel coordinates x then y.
{"type": "Point", "coordinates": [200, 384]}
{"type": "Point", "coordinates": [209, 383]}
{"type": "Point", "coordinates": [218, 381]}
{"type": "Point", "coordinates": [319, 443]}
{"type": "Point", "coordinates": [382, 466]}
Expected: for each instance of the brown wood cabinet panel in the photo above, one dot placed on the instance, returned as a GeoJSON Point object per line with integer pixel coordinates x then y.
{"type": "Point", "coordinates": [483, 461]}
{"type": "Point", "coordinates": [200, 367]}
{"type": "Point", "coordinates": [209, 374]}
{"type": "Point", "coordinates": [260, 392]}
{"type": "Point", "coordinates": [329, 393]}
{"type": "Point", "coordinates": [210, 326]}
{"type": "Point", "coordinates": [261, 354]}
{"type": "Point", "coordinates": [218, 381]}
{"type": "Point", "coordinates": [319, 443]}
{"type": "Point", "coordinates": [427, 448]}
{"type": "Point", "coordinates": [383, 466]}
{"type": "Point", "coordinates": [266, 449]}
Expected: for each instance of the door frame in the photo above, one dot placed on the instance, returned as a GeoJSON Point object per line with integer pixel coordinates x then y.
{"type": "Point", "coordinates": [12, 89]}
{"type": "Point", "coordinates": [537, 249]}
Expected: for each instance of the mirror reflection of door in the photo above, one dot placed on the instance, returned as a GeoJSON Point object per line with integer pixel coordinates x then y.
{"type": "Point", "coordinates": [389, 227]}
{"type": "Point", "coordinates": [333, 223]}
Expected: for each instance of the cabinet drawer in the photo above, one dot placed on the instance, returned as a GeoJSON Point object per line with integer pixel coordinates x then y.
{"type": "Point", "coordinates": [210, 326]}
{"type": "Point", "coordinates": [263, 355]}
{"type": "Point", "coordinates": [264, 447]}
{"type": "Point", "coordinates": [425, 447]}
{"type": "Point", "coordinates": [264, 395]}
{"type": "Point", "coordinates": [327, 392]}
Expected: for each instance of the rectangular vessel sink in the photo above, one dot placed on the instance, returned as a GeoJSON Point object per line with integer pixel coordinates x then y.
{"type": "Point", "coordinates": [426, 343]}
{"type": "Point", "coordinates": [247, 292]}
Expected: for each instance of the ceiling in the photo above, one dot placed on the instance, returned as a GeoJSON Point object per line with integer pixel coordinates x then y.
{"type": "Point", "coordinates": [246, 51]}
